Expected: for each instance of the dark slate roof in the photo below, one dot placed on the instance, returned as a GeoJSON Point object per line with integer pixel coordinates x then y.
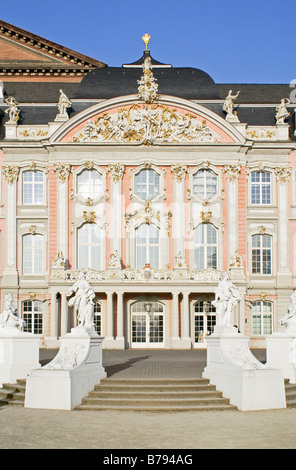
{"type": "Point", "coordinates": [38, 92]}
{"type": "Point", "coordinates": [110, 82]}
{"type": "Point", "coordinates": [256, 92]}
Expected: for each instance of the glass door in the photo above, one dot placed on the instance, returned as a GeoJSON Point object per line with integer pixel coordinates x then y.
{"type": "Point", "coordinates": [147, 329]}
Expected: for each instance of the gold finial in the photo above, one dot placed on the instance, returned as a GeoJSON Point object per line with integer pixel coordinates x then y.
{"type": "Point", "coordinates": [146, 39]}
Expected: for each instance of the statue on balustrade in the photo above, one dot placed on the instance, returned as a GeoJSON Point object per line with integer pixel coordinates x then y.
{"type": "Point", "coordinates": [226, 298]}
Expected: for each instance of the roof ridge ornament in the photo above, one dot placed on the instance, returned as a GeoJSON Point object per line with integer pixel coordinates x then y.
{"type": "Point", "coordinates": [146, 39]}
{"type": "Point", "coordinates": [148, 87]}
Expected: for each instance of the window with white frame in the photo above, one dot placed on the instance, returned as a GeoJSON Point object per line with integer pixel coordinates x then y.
{"type": "Point", "coordinates": [98, 317]}
{"type": "Point", "coordinates": [204, 320]}
{"type": "Point", "coordinates": [147, 184]}
{"type": "Point", "coordinates": [205, 184]}
{"type": "Point", "coordinates": [147, 246]}
{"type": "Point", "coordinates": [260, 187]}
{"type": "Point", "coordinates": [33, 187]}
{"type": "Point", "coordinates": [33, 316]}
{"type": "Point", "coordinates": [33, 254]}
{"type": "Point", "coordinates": [261, 254]}
{"type": "Point", "coordinates": [89, 184]}
{"type": "Point", "coordinates": [262, 317]}
{"type": "Point", "coordinates": [205, 247]}
{"type": "Point", "coordinates": [89, 238]}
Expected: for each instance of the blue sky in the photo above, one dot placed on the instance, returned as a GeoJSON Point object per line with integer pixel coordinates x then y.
{"type": "Point", "coordinates": [234, 41]}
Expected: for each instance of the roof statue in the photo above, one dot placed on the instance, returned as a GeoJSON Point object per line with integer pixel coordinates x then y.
{"type": "Point", "coordinates": [228, 107]}
{"type": "Point", "coordinates": [12, 111]}
{"type": "Point", "coordinates": [281, 111]}
{"type": "Point", "coordinates": [62, 105]}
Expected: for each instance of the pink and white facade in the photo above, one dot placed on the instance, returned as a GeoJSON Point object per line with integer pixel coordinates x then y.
{"type": "Point", "coordinates": [153, 199]}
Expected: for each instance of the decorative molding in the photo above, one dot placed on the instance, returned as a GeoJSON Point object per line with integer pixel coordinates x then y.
{"type": "Point", "coordinates": [179, 172]}
{"type": "Point", "coordinates": [232, 172]}
{"type": "Point", "coordinates": [62, 171]}
{"type": "Point", "coordinates": [282, 174]}
{"type": "Point", "coordinates": [116, 171]}
{"type": "Point", "coordinates": [146, 125]}
{"type": "Point", "coordinates": [11, 173]}
{"type": "Point", "coordinates": [89, 216]}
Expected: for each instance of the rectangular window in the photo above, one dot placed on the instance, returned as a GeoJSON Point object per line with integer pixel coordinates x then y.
{"type": "Point", "coordinates": [261, 254]}
{"type": "Point", "coordinates": [260, 187]}
{"type": "Point", "coordinates": [262, 318]}
{"type": "Point", "coordinates": [33, 182]}
{"type": "Point", "coordinates": [33, 254]}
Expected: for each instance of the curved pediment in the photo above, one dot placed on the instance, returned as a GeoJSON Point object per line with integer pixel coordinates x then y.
{"type": "Point", "coordinates": [128, 120]}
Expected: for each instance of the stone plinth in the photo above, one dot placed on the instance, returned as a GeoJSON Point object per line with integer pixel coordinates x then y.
{"type": "Point", "coordinates": [75, 370]}
{"type": "Point", "coordinates": [281, 354]}
{"type": "Point", "coordinates": [19, 354]}
{"type": "Point", "coordinates": [234, 370]}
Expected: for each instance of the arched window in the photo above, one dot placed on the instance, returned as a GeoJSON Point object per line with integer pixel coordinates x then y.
{"type": "Point", "coordinates": [33, 316]}
{"type": "Point", "coordinates": [147, 246]}
{"type": "Point", "coordinates": [205, 247]}
{"type": "Point", "coordinates": [33, 253]}
{"type": "Point", "coordinates": [89, 247]}
{"type": "Point", "coordinates": [147, 184]}
{"type": "Point", "coordinates": [205, 184]}
{"type": "Point", "coordinates": [262, 317]}
{"type": "Point", "coordinates": [33, 183]}
{"type": "Point", "coordinates": [89, 184]}
{"type": "Point", "coordinates": [261, 254]}
{"type": "Point", "coordinates": [260, 187]}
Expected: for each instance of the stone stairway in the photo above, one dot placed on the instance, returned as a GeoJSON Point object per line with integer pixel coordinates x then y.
{"type": "Point", "coordinates": [146, 395]}
{"type": "Point", "coordinates": [13, 394]}
{"type": "Point", "coordinates": [290, 394]}
{"type": "Point", "coordinates": [155, 395]}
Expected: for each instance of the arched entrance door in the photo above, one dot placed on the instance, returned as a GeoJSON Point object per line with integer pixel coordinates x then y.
{"type": "Point", "coordinates": [147, 324]}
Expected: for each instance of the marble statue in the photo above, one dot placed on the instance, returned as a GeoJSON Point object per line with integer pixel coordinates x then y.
{"type": "Point", "coordinates": [58, 261]}
{"type": "Point", "coordinates": [226, 297]}
{"type": "Point", "coordinates": [62, 105]}
{"type": "Point", "coordinates": [12, 111]}
{"type": "Point", "coordinates": [115, 261]}
{"type": "Point", "coordinates": [148, 87]}
{"type": "Point", "coordinates": [281, 111]}
{"type": "Point", "coordinates": [9, 318]}
{"type": "Point", "coordinates": [82, 301]}
{"type": "Point", "coordinates": [228, 106]}
{"type": "Point", "coordinates": [289, 319]}
{"type": "Point", "coordinates": [180, 261]}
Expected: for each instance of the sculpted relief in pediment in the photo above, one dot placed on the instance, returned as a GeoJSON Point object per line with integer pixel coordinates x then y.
{"type": "Point", "coordinates": [146, 124]}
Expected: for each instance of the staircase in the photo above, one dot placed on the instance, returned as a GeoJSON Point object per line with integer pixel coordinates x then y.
{"type": "Point", "coordinates": [146, 395]}
{"type": "Point", "coordinates": [13, 394]}
{"type": "Point", "coordinates": [155, 395]}
{"type": "Point", "coordinates": [290, 394]}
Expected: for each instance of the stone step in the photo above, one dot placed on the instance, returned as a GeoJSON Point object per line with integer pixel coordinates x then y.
{"type": "Point", "coordinates": [290, 394]}
{"type": "Point", "coordinates": [154, 388]}
{"type": "Point", "coordinates": [155, 401]}
{"type": "Point", "coordinates": [155, 408]}
{"type": "Point", "coordinates": [153, 395]}
{"type": "Point", "coordinates": [133, 382]}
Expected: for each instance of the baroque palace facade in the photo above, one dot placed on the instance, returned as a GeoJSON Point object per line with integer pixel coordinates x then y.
{"type": "Point", "coordinates": [151, 179]}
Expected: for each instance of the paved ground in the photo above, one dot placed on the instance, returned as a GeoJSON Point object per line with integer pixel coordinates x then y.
{"type": "Point", "coordinates": [22, 428]}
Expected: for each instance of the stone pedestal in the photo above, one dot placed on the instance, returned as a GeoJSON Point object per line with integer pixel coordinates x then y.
{"type": "Point", "coordinates": [19, 354]}
{"type": "Point", "coordinates": [68, 378]}
{"type": "Point", "coordinates": [234, 370]}
{"type": "Point", "coordinates": [281, 354]}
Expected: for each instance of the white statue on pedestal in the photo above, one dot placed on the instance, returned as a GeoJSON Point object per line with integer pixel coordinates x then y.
{"type": "Point", "coordinates": [289, 320]}
{"type": "Point", "coordinates": [62, 105]}
{"type": "Point", "coordinates": [12, 111]}
{"type": "Point", "coordinates": [226, 297]}
{"type": "Point", "coordinates": [281, 111]}
{"type": "Point", "coordinates": [9, 318]}
{"type": "Point", "coordinates": [228, 107]}
{"type": "Point", "coordinates": [82, 301]}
